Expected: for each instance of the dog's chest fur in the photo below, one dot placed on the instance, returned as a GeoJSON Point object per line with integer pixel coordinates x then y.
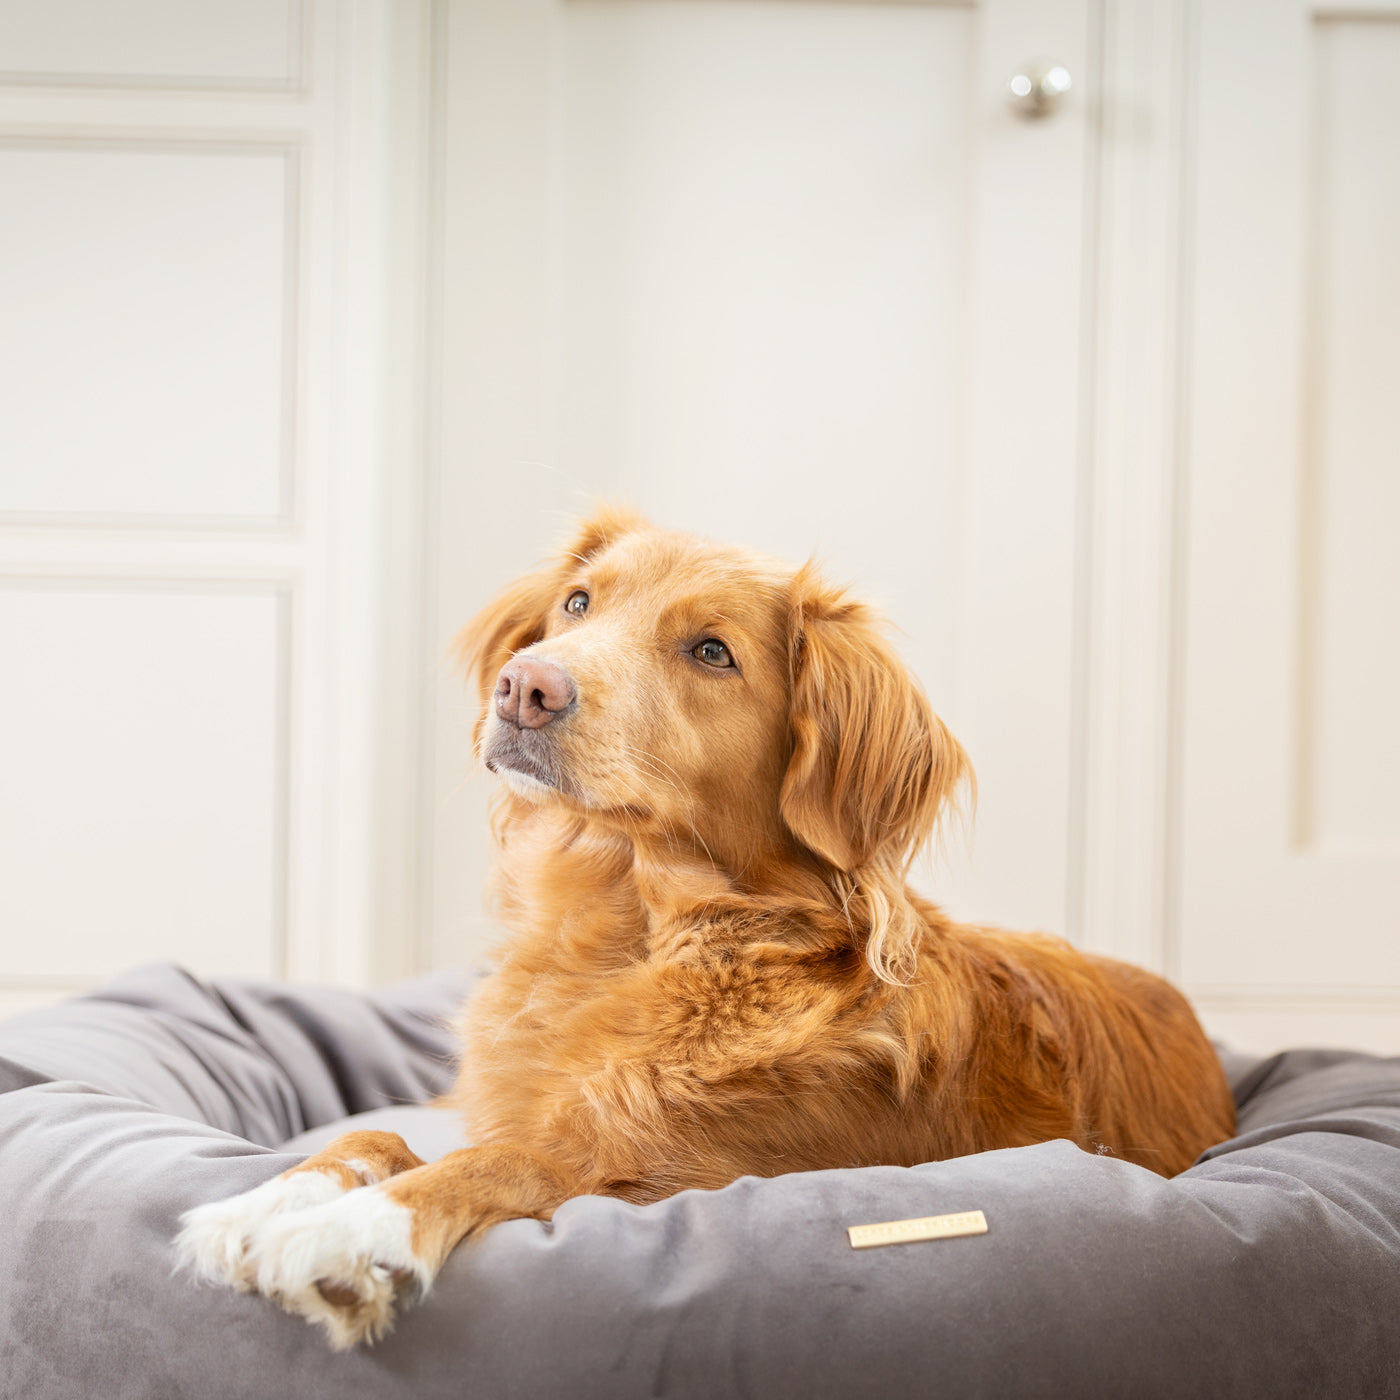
{"type": "Point", "coordinates": [653, 1045]}
{"type": "Point", "coordinates": [649, 1047]}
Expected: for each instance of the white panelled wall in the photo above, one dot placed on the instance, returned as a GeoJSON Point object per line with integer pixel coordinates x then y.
{"type": "Point", "coordinates": [318, 320]}
{"type": "Point", "coordinates": [195, 419]}
{"type": "Point", "coordinates": [1288, 917]}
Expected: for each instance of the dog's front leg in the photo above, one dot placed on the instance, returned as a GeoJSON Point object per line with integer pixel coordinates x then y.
{"type": "Point", "coordinates": [350, 1263]}
{"type": "Point", "coordinates": [219, 1241]}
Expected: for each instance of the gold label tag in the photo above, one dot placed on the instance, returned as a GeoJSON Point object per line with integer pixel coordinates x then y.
{"type": "Point", "coordinates": [926, 1227]}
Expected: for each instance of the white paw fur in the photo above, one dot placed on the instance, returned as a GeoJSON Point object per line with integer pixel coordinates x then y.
{"type": "Point", "coordinates": [345, 1265]}
{"type": "Point", "coordinates": [216, 1242]}
{"type": "Point", "coordinates": [341, 1259]}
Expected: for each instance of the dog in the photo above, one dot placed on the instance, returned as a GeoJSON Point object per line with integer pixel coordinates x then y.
{"type": "Point", "coordinates": [715, 773]}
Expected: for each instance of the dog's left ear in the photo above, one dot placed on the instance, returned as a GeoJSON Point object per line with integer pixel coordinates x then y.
{"type": "Point", "coordinates": [872, 766]}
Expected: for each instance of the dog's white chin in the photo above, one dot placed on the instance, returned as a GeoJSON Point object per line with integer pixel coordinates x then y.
{"type": "Point", "coordinates": [523, 785]}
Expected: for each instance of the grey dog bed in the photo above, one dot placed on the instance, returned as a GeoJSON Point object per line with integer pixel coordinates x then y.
{"type": "Point", "coordinates": [1271, 1268]}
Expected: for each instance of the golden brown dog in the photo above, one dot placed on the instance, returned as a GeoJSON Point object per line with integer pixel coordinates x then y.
{"type": "Point", "coordinates": [716, 772]}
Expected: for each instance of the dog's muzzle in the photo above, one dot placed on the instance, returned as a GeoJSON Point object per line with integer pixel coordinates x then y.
{"type": "Point", "coordinates": [531, 692]}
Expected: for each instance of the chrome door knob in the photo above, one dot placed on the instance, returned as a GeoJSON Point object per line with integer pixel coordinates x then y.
{"type": "Point", "coordinates": [1037, 89]}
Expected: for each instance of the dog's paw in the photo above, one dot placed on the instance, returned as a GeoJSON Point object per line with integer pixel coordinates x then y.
{"type": "Point", "coordinates": [347, 1265]}
{"type": "Point", "coordinates": [217, 1242]}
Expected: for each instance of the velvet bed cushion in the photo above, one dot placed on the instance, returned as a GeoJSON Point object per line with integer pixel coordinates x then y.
{"type": "Point", "coordinates": [1271, 1268]}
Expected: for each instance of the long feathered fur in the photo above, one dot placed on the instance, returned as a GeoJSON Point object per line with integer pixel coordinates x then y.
{"type": "Point", "coordinates": [716, 965]}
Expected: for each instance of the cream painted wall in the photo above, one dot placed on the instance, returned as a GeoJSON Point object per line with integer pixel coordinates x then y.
{"type": "Point", "coordinates": [323, 317]}
{"type": "Point", "coordinates": [760, 269]}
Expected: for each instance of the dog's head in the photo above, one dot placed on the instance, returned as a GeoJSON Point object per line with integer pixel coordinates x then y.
{"type": "Point", "coordinates": [693, 691]}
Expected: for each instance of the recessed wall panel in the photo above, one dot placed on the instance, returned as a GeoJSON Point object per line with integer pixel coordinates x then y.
{"type": "Point", "coordinates": [159, 43]}
{"type": "Point", "coordinates": [146, 343]}
{"type": "Point", "coordinates": [1351, 527]}
{"type": "Point", "coordinates": [141, 778]}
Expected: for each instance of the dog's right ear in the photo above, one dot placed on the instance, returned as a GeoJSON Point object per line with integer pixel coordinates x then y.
{"type": "Point", "coordinates": [518, 616]}
{"type": "Point", "coordinates": [513, 620]}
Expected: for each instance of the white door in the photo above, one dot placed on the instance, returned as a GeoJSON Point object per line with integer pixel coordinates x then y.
{"type": "Point", "coordinates": [186, 497]}
{"type": "Point", "coordinates": [790, 273]}
{"type": "Point", "coordinates": [1288, 926]}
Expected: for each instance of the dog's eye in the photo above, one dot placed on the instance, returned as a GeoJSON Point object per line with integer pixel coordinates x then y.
{"type": "Point", "coordinates": [576, 603]}
{"type": "Point", "coordinates": [713, 653]}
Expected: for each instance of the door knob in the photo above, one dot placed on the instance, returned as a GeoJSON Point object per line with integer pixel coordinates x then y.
{"type": "Point", "coordinates": [1037, 89]}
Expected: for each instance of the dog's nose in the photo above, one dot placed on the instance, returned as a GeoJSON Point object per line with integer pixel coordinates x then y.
{"type": "Point", "coordinates": [531, 691]}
